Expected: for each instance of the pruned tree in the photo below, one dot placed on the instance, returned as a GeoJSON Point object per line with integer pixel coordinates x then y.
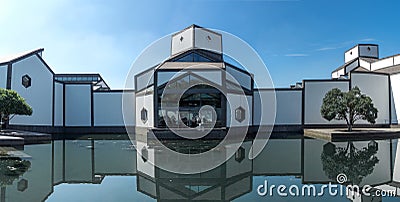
{"type": "Point", "coordinates": [350, 106]}
{"type": "Point", "coordinates": [11, 104]}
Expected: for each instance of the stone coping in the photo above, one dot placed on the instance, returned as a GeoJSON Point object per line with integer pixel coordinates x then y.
{"type": "Point", "coordinates": [341, 134]}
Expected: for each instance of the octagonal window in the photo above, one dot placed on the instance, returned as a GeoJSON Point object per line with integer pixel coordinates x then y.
{"type": "Point", "coordinates": [143, 115]}
{"type": "Point", "coordinates": [240, 154]}
{"type": "Point", "coordinates": [240, 114]}
{"type": "Point", "coordinates": [26, 81]}
{"type": "Point", "coordinates": [22, 185]}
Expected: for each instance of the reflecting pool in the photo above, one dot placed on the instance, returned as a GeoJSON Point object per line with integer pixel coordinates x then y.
{"type": "Point", "coordinates": [108, 168]}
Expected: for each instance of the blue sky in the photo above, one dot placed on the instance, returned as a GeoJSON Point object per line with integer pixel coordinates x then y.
{"type": "Point", "coordinates": [296, 39]}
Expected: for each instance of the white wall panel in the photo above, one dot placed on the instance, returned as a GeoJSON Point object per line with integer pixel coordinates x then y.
{"type": "Point", "coordinates": [58, 104]}
{"type": "Point", "coordinates": [382, 63]}
{"type": "Point", "coordinates": [377, 87]}
{"type": "Point", "coordinates": [233, 102]}
{"type": "Point", "coordinates": [207, 40]}
{"type": "Point", "coordinates": [39, 95]}
{"type": "Point", "coordinates": [397, 60]}
{"type": "Point", "coordinates": [108, 109]}
{"type": "Point", "coordinates": [393, 109]}
{"type": "Point", "coordinates": [335, 75]}
{"type": "Point", "coordinates": [395, 85]}
{"type": "Point", "coordinates": [351, 54]}
{"type": "Point", "coordinates": [147, 103]}
{"type": "Point", "coordinates": [288, 106]}
{"type": "Point", "coordinates": [77, 105]}
{"type": "Point", "coordinates": [186, 43]}
{"type": "Point", "coordinates": [3, 76]}
{"type": "Point", "coordinates": [396, 163]}
{"type": "Point", "coordinates": [314, 93]}
{"type": "Point", "coordinates": [365, 64]}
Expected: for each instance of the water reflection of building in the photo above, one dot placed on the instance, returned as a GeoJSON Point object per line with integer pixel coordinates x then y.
{"type": "Point", "coordinates": [90, 161]}
{"type": "Point", "coordinates": [226, 182]}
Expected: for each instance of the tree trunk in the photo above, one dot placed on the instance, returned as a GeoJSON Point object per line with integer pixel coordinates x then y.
{"type": "Point", "coordinates": [3, 123]}
{"type": "Point", "coordinates": [349, 127]}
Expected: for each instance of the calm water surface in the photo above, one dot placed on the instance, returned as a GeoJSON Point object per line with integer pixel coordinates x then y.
{"type": "Point", "coordinates": [108, 168]}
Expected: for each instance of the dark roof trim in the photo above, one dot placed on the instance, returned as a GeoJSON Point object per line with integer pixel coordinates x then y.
{"type": "Point", "coordinates": [361, 44]}
{"type": "Point", "coordinates": [115, 91]}
{"type": "Point", "coordinates": [278, 89]}
{"type": "Point", "coordinates": [23, 56]}
{"type": "Point", "coordinates": [77, 74]}
{"type": "Point", "coordinates": [196, 51]}
{"type": "Point", "coordinates": [387, 57]}
{"type": "Point", "coordinates": [343, 66]}
{"type": "Point", "coordinates": [377, 73]}
{"type": "Point", "coordinates": [326, 80]}
{"type": "Point", "coordinates": [44, 62]}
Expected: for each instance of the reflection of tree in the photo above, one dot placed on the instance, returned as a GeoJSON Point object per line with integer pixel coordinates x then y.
{"type": "Point", "coordinates": [11, 168]}
{"type": "Point", "coordinates": [355, 163]}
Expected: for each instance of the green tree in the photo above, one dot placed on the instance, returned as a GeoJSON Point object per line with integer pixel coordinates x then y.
{"type": "Point", "coordinates": [12, 104]}
{"type": "Point", "coordinates": [350, 106]}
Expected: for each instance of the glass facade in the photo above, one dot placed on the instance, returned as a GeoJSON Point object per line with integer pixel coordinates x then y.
{"type": "Point", "coordinates": [189, 108]}
{"type": "Point", "coordinates": [144, 80]}
{"type": "Point", "coordinates": [244, 79]}
{"type": "Point", "coordinates": [203, 102]}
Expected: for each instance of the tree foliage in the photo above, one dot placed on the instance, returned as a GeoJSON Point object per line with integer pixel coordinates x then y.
{"type": "Point", "coordinates": [11, 103]}
{"type": "Point", "coordinates": [350, 106]}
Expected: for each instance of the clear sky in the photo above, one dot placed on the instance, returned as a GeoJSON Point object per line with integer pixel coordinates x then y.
{"type": "Point", "coordinates": [296, 39]}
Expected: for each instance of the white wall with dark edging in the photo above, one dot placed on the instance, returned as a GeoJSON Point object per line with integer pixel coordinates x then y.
{"type": "Point", "coordinates": [3, 76]}
{"type": "Point", "coordinates": [39, 95]}
{"type": "Point", "coordinates": [78, 105]}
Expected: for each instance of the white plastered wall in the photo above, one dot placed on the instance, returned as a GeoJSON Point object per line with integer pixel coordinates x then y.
{"type": "Point", "coordinates": [39, 95]}
{"type": "Point", "coordinates": [58, 104]}
{"type": "Point", "coordinates": [145, 101]}
{"type": "Point", "coordinates": [107, 108]}
{"type": "Point", "coordinates": [395, 91]}
{"type": "Point", "coordinates": [351, 54]}
{"type": "Point", "coordinates": [186, 43]}
{"type": "Point", "coordinates": [288, 106]}
{"type": "Point", "coordinates": [77, 105]}
{"type": "Point", "coordinates": [3, 76]}
{"type": "Point", "coordinates": [314, 93]}
{"type": "Point", "coordinates": [377, 87]}
{"type": "Point", "coordinates": [207, 40]}
{"type": "Point", "coordinates": [235, 101]}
